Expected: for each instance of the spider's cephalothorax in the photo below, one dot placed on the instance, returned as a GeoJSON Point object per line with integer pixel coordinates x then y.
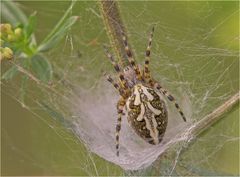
{"type": "Point", "coordinates": [146, 111]}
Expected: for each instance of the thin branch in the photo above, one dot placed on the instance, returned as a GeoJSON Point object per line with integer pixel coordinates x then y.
{"type": "Point", "coordinates": [114, 25]}
{"type": "Point", "coordinates": [215, 115]}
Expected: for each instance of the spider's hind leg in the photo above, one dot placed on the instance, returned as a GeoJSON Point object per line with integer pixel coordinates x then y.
{"type": "Point", "coordinates": [120, 107]}
{"type": "Point", "coordinates": [170, 98]}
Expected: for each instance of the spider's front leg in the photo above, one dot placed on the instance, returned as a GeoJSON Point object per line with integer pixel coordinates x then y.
{"type": "Point", "coordinates": [115, 85]}
{"type": "Point", "coordinates": [116, 66]}
{"type": "Point", "coordinates": [170, 98]}
{"type": "Point", "coordinates": [146, 71]}
{"type": "Point", "coordinates": [120, 107]}
{"type": "Point", "coordinates": [130, 57]}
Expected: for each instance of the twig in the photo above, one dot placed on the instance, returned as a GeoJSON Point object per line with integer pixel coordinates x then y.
{"type": "Point", "coordinates": [215, 115]}
{"type": "Point", "coordinates": [114, 25]}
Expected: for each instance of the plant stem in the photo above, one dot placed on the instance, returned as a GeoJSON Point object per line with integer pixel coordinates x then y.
{"type": "Point", "coordinates": [114, 25]}
{"type": "Point", "coordinates": [215, 115]}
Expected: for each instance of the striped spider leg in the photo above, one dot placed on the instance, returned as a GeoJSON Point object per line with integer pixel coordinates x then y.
{"type": "Point", "coordinates": [120, 106]}
{"type": "Point", "coordinates": [170, 98]}
{"type": "Point", "coordinates": [149, 79]}
{"type": "Point", "coordinates": [130, 58]}
{"type": "Point", "coordinates": [123, 89]}
{"type": "Point", "coordinates": [146, 71]}
{"type": "Point", "coordinates": [116, 66]}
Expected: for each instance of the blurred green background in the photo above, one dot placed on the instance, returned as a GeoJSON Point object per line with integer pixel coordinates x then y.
{"type": "Point", "coordinates": [197, 44]}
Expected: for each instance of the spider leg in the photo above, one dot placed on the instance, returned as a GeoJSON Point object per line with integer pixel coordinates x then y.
{"type": "Point", "coordinates": [120, 106]}
{"type": "Point", "coordinates": [117, 68]}
{"type": "Point", "coordinates": [170, 98]}
{"type": "Point", "coordinates": [116, 85]}
{"type": "Point", "coordinates": [111, 58]}
{"type": "Point", "coordinates": [130, 57]}
{"type": "Point", "coordinates": [147, 75]}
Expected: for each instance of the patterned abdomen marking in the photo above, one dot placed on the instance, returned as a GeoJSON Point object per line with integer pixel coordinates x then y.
{"type": "Point", "coordinates": [147, 114]}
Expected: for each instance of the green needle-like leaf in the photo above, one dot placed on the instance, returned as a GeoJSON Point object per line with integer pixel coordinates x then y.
{"type": "Point", "coordinates": [58, 35]}
{"type": "Point", "coordinates": [41, 68]}
{"type": "Point", "coordinates": [30, 27]}
{"type": "Point", "coordinates": [47, 43]}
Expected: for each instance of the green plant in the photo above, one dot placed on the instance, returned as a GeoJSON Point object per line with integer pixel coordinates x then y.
{"type": "Point", "coordinates": [19, 45]}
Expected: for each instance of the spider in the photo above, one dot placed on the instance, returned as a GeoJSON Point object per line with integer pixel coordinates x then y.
{"type": "Point", "coordinates": [140, 96]}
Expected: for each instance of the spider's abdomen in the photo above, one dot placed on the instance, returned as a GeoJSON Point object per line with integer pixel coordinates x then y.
{"type": "Point", "coordinates": [147, 114]}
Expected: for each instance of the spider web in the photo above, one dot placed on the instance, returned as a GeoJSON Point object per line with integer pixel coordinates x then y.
{"type": "Point", "coordinates": [194, 56]}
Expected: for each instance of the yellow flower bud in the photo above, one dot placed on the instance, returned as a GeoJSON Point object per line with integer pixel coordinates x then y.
{"type": "Point", "coordinates": [18, 32]}
{"type": "Point", "coordinates": [6, 28]}
{"type": "Point", "coordinates": [7, 53]}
